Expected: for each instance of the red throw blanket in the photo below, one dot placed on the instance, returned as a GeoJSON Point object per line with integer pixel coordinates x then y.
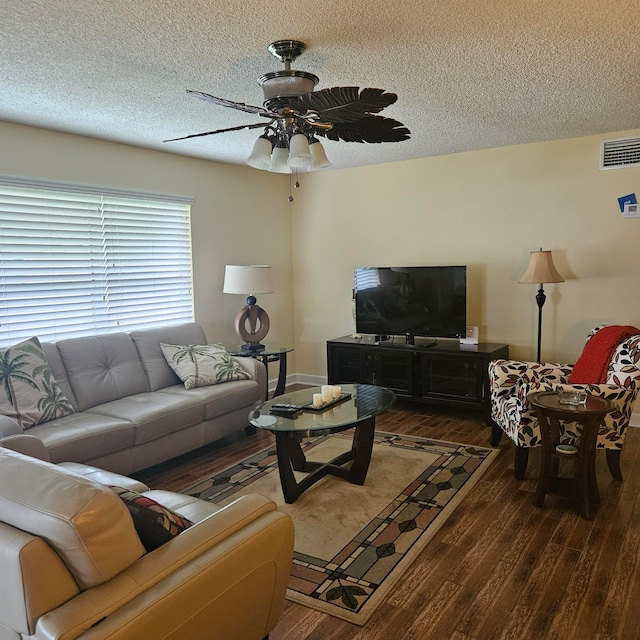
{"type": "Point", "coordinates": [592, 365]}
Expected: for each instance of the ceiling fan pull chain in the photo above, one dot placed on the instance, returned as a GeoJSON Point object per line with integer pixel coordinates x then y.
{"type": "Point", "coordinates": [296, 184]}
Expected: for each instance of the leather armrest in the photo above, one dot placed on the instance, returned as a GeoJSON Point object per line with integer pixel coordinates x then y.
{"type": "Point", "coordinates": [105, 477]}
{"type": "Point", "coordinates": [255, 367]}
{"type": "Point", "coordinates": [34, 579]}
{"type": "Point", "coordinates": [32, 446]}
{"type": "Point", "coordinates": [8, 426]}
{"type": "Point", "coordinates": [27, 445]}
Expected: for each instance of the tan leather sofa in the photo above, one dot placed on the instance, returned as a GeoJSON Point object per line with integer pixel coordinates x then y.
{"type": "Point", "coordinates": [73, 566]}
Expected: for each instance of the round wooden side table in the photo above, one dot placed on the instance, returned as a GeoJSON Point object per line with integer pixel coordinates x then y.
{"type": "Point", "coordinates": [551, 412]}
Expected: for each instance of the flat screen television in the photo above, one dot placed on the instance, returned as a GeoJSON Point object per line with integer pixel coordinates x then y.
{"type": "Point", "coordinates": [411, 301]}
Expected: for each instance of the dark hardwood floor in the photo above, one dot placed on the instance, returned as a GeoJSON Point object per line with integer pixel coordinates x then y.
{"type": "Point", "coordinates": [499, 567]}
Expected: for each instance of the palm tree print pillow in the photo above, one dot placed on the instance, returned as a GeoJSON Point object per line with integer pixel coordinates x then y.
{"type": "Point", "coordinates": [29, 393]}
{"type": "Point", "coordinates": [202, 365]}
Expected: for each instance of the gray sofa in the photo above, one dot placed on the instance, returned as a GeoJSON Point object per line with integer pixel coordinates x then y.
{"type": "Point", "coordinates": [132, 411]}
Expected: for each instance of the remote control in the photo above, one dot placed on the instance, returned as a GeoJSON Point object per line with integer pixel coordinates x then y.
{"type": "Point", "coordinates": [285, 406]}
{"type": "Point", "coordinates": [285, 411]}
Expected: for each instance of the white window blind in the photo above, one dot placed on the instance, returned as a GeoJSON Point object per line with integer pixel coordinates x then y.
{"type": "Point", "coordinates": [74, 263]}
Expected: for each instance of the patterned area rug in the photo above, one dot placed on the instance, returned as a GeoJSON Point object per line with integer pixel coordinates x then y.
{"type": "Point", "coordinates": [353, 543]}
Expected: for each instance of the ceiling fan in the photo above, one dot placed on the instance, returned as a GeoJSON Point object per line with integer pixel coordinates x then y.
{"type": "Point", "coordinates": [297, 115]}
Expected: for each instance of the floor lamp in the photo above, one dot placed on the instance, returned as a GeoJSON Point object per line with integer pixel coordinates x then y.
{"type": "Point", "coordinates": [540, 270]}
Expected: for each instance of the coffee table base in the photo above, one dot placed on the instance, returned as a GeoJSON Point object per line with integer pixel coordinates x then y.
{"type": "Point", "coordinates": [291, 458]}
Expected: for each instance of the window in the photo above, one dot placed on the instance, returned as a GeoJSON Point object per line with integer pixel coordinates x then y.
{"type": "Point", "coordinates": [77, 261]}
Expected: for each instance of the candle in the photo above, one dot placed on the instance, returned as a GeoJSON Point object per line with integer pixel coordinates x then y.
{"type": "Point", "coordinates": [317, 399]}
{"type": "Point", "coordinates": [337, 392]}
{"type": "Point", "coordinates": [327, 393]}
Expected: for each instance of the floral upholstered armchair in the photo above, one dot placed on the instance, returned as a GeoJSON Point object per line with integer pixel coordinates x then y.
{"type": "Point", "coordinates": [511, 381]}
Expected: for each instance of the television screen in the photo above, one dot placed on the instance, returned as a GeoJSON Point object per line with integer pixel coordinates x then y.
{"type": "Point", "coordinates": [416, 301]}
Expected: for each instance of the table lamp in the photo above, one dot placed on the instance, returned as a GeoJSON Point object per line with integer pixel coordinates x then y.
{"type": "Point", "coordinates": [540, 270]}
{"type": "Point", "coordinates": [252, 321]}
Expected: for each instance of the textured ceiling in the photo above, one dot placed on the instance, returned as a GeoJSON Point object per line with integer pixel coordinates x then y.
{"type": "Point", "coordinates": [468, 74]}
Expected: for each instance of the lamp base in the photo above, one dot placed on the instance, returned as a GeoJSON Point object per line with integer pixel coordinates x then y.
{"type": "Point", "coordinates": [252, 325]}
{"type": "Point", "coordinates": [254, 347]}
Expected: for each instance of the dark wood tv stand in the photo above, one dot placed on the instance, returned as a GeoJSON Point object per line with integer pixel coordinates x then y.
{"type": "Point", "coordinates": [447, 373]}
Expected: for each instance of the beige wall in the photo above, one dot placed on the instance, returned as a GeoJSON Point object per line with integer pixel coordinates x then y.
{"type": "Point", "coordinates": [240, 215]}
{"type": "Point", "coordinates": [485, 209]}
{"type": "Point", "coordinates": [488, 210]}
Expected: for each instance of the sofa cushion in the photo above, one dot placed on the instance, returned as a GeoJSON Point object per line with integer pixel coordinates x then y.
{"type": "Point", "coordinates": [202, 365]}
{"type": "Point", "coordinates": [29, 393]}
{"type": "Point", "coordinates": [221, 399]}
{"type": "Point", "coordinates": [147, 342]}
{"type": "Point", "coordinates": [154, 414]}
{"type": "Point", "coordinates": [155, 523]}
{"type": "Point", "coordinates": [102, 368]}
{"type": "Point", "coordinates": [84, 436]}
{"type": "Point", "coordinates": [83, 521]}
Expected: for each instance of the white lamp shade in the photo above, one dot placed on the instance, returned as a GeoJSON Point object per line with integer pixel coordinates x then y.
{"type": "Point", "coordinates": [279, 159]}
{"type": "Point", "coordinates": [299, 154]}
{"type": "Point", "coordinates": [247, 279]}
{"type": "Point", "coordinates": [320, 160]}
{"type": "Point", "coordinates": [260, 157]}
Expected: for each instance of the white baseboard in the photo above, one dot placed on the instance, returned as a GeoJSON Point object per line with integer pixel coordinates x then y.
{"type": "Point", "coordinates": [300, 378]}
{"type": "Point", "coordinates": [315, 381]}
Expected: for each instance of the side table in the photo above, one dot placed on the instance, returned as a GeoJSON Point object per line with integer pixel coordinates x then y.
{"type": "Point", "coordinates": [271, 353]}
{"type": "Point", "coordinates": [589, 415]}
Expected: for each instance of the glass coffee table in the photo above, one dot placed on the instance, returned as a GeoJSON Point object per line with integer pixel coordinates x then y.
{"type": "Point", "coordinates": [358, 411]}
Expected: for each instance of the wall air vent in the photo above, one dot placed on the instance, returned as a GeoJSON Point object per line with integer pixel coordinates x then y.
{"type": "Point", "coordinates": [620, 152]}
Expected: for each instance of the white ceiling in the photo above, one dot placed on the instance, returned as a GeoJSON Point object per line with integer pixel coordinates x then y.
{"type": "Point", "coordinates": [469, 74]}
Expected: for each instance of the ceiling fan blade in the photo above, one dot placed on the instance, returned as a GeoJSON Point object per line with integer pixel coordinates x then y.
{"type": "Point", "coordinates": [248, 108]}
{"type": "Point", "coordinates": [345, 104]}
{"type": "Point", "coordinates": [257, 125]}
{"type": "Point", "coordinates": [368, 129]}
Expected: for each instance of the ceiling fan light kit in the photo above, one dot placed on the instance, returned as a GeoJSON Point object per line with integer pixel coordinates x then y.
{"type": "Point", "coordinates": [299, 153]}
{"type": "Point", "coordinates": [298, 115]}
{"type": "Point", "coordinates": [320, 160]}
{"type": "Point", "coordinates": [279, 160]}
{"type": "Point", "coordinates": [260, 157]}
